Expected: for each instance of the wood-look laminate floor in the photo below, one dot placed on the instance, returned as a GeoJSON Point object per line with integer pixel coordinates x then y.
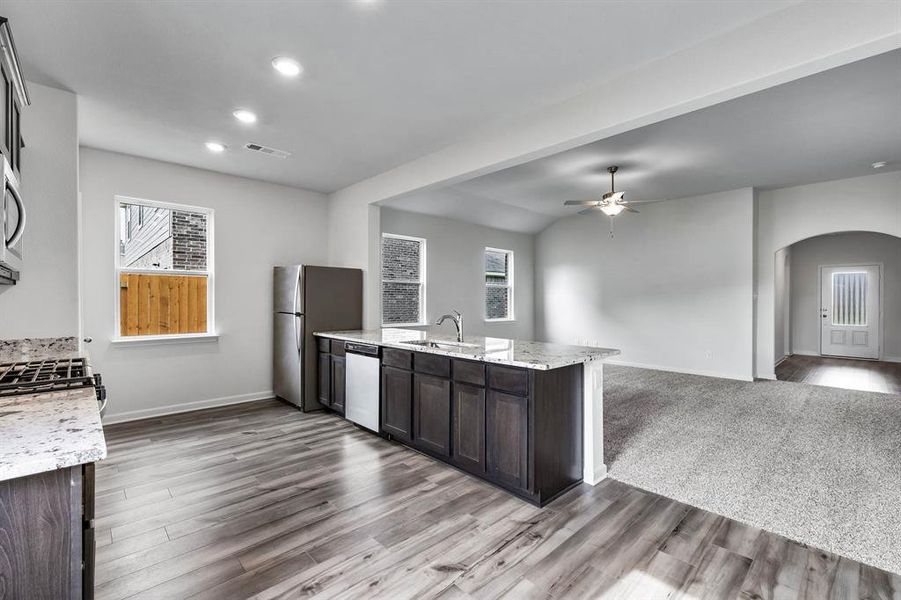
{"type": "Point", "coordinates": [846, 373]}
{"type": "Point", "coordinates": [259, 500]}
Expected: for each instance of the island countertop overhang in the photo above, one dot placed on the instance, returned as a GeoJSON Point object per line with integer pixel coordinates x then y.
{"type": "Point", "coordinates": [525, 354]}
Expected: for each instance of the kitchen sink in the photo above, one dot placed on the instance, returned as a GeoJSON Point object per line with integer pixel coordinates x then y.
{"type": "Point", "coordinates": [440, 344]}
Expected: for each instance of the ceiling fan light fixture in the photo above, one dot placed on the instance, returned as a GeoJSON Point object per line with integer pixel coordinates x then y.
{"type": "Point", "coordinates": [611, 210]}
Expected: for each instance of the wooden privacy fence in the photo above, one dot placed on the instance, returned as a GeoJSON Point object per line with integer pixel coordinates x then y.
{"type": "Point", "coordinates": [162, 304]}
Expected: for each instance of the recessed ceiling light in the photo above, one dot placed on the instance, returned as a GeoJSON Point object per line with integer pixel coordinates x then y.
{"type": "Point", "coordinates": [879, 165]}
{"type": "Point", "coordinates": [287, 66]}
{"type": "Point", "coordinates": [215, 147]}
{"type": "Point", "coordinates": [245, 116]}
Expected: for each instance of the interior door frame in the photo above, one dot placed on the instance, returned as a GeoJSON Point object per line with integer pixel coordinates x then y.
{"type": "Point", "coordinates": [881, 267]}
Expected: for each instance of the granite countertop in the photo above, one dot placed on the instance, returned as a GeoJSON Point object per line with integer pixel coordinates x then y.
{"type": "Point", "coordinates": [516, 353]}
{"type": "Point", "coordinates": [26, 349]}
{"type": "Point", "coordinates": [49, 431]}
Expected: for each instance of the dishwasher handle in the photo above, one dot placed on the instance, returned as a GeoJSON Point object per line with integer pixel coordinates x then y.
{"type": "Point", "coordinates": [367, 349]}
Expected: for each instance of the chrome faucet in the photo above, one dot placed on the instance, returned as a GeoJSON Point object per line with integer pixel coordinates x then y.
{"type": "Point", "coordinates": [457, 318]}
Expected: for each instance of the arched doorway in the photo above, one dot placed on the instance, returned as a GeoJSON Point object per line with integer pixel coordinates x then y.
{"type": "Point", "coordinates": [837, 311]}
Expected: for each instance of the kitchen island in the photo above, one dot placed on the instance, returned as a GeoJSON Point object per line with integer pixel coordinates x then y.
{"type": "Point", "coordinates": [526, 416]}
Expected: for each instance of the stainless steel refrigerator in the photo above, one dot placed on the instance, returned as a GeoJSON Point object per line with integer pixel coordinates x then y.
{"type": "Point", "coordinates": [309, 299]}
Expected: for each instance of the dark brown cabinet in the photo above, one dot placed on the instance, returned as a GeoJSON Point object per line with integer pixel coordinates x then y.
{"type": "Point", "coordinates": [397, 403]}
{"type": "Point", "coordinates": [518, 428]}
{"type": "Point", "coordinates": [432, 414]}
{"type": "Point", "coordinates": [331, 374]}
{"type": "Point", "coordinates": [325, 379]}
{"type": "Point", "coordinates": [507, 435]}
{"type": "Point", "coordinates": [468, 439]}
{"type": "Point", "coordinates": [338, 383]}
{"type": "Point", "coordinates": [14, 96]}
{"type": "Point", "coordinates": [47, 535]}
{"type": "Point", "coordinates": [6, 94]}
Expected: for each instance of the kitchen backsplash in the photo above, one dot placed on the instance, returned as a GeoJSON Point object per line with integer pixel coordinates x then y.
{"type": "Point", "coordinates": [13, 350]}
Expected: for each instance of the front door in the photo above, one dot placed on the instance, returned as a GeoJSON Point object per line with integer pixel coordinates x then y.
{"type": "Point", "coordinates": [849, 311]}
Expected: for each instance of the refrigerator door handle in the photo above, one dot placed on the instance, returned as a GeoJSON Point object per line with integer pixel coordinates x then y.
{"type": "Point", "coordinates": [298, 331]}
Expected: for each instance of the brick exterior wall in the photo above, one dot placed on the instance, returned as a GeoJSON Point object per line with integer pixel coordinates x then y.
{"type": "Point", "coordinates": [166, 239]}
{"type": "Point", "coordinates": [401, 265]}
{"type": "Point", "coordinates": [188, 241]}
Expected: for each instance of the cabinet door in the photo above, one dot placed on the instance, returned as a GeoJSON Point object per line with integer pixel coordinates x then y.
{"type": "Point", "coordinates": [338, 370]}
{"type": "Point", "coordinates": [469, 427]}
{"type": "Point", "coordinates": [397, 402]}
{"type": "Point", "coordinates": [325, 379]}
{"type": "Point", "coordinates": [432, 413]}
{"type": "Point", "coordinates": [6, 92]}
{"type": "Point", "coordinates": [16, 115]}
{"type": "Point", "coordinates": [507, 439]}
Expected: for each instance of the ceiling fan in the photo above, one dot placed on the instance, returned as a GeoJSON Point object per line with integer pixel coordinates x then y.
{"type": "Point", "coordinates": [612, 203]}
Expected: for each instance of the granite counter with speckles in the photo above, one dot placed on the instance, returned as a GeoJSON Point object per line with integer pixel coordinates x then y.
{"type": "Point", "coordinates": [23, 349]}
{"type": "Point", "coordinates": [515, 353]}
{"type": "Point", "coordinates": [48, 431]}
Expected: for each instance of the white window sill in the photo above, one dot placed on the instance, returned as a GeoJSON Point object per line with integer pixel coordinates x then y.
{"type": "Point", "coordinates": [154, 340]}
{"type": "Point", "coordinates": [505, 320]}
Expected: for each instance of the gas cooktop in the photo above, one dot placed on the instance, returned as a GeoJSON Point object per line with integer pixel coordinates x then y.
{"type": "Point", "coordinates": [49, 375]}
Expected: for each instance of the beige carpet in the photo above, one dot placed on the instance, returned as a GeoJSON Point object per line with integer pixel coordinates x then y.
{"type": "Point", "coordinates": [818, 465]}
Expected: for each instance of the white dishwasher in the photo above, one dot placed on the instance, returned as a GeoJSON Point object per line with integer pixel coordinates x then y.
{"type": "Point", "coordinates": [362, 385]}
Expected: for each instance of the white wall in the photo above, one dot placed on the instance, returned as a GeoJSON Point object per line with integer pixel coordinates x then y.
{"type": "Point", "coordinates": [788, 215]}
{"type": "Point", "coordinates": [672, 289]}
{"type": "Point", "coordinates": [782, 291]}
{"type": "Point", "coordinates": [844, 249]}
{"type": "Point", "coordinates": [257, 225]}
{"type": "Point", "coordinates": [44, 303]}
{"type": "Point", "coordinates": [455, 270]}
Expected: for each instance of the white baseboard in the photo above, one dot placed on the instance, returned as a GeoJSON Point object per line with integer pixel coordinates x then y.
{"type": "Point", "coordinates": [894, 359]}
{"type": "Point", "coordinates": [171, 409]}
{"type": "Point", "coordinates": [677, 370]}
{"type": "Point", "coordinates": [806, 353]}
{"type": "Point", "coordinates": [781, 360]}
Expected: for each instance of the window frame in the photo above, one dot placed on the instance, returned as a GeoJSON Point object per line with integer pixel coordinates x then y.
{"type": "Point", "coordinates": [210, 273]}
{"type": "Point", "coordinates": [510, 285]}
{"type": "Point", "coordinates": [423, 278]}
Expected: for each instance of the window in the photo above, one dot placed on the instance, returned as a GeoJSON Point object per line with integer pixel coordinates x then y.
{"type": "Point", "coordinates": [403, 280]}
{"type": "Point", "coordinates": [849, 298]}
{"type": "Point", "coordinates": [164, 269]}
{"type": "Point", "coordinates": [498, 285]}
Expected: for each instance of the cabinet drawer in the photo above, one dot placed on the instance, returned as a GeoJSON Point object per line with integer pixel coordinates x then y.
{"type": "Point", "coordinates": [508, 379]}
{"type": "Point", "coordinates": [337, 347]}
{"type": "Point", "coordinates": [323, 344]}
{"type": "Point", "coordinates": [401, 359]}
{"type": "Point", "coordinates": [468, 371]}
{"type": "Point", "coordinates": [433, 365]}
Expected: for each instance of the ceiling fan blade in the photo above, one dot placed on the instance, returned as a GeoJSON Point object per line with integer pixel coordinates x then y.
{"type": "Point", "coordinates": [644, 201]}
{"type": "Point", "coordinates": [588, 211]}
{"type": "Point", "coordinates": [580, 202]}
{"type": "Point", "coordinates": [630, 209]}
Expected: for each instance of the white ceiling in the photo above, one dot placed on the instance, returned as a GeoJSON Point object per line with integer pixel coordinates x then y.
{"type": "Point", "coordinates": [831, 125]}
{"type": "Point", "coordinates": [385, 82]}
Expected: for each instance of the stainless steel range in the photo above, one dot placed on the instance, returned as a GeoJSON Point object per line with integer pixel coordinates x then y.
{"type": "Point", "coordinates": [50, 375]}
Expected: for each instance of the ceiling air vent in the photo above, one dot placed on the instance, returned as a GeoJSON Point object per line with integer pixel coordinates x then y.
{"type": "Point", "coordinates": [267, 150]}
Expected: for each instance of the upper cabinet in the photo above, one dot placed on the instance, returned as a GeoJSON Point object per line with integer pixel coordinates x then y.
{"type": "Point", "coordinates": [13, 96]}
